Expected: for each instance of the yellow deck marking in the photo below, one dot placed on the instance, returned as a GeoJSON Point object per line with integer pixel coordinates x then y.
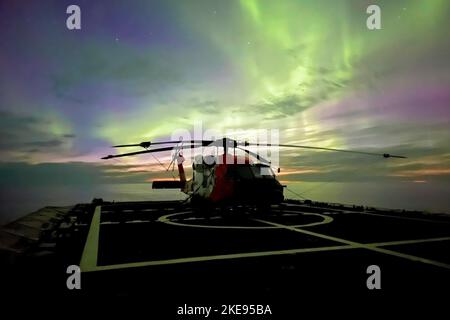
{"type": "Point", "coordinates": [404, 218]}
{"type": "Point", "coordinates": [254, 254]}
{"type": "Point", "coordinates": [360, 245]}
{"type": "Point", "coordinates": [219, 257]}
{"type": "Point", "coordinates": [400, 242]}
{"type": "Point", "coordinates": [89, 258]}
{"type": "Point", "coordinates": [90, 252]}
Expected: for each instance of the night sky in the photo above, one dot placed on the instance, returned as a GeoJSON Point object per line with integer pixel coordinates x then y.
{"type": "Point", "coordinates": [138, 70]}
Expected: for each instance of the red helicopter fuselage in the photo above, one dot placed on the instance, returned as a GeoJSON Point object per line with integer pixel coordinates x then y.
{"type": "Point", "coordinates": [229, 179]}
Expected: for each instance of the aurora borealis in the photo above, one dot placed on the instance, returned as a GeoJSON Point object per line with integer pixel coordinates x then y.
{"type": "Point", "coordinates": [138, 70]}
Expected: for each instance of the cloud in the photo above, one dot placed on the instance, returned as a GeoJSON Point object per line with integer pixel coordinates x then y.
{"type": "Point", "coordinates": [283, 107]}
{"type": "Point", "coordinates": [16, 174]}
{"type": "Point", "coordinates": [126, 72]}
{"type": "Point", "coordinates": [21, 134]}
{"type": "Point", "coordinates": [45, 144]}
{"type": "Point", "coordinates": [431, 164]}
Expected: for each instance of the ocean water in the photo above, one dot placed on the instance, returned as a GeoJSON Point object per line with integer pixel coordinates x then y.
{"type": "Point", "coordinates": [431, 197]}
{"type": "Point", "coordinates": [17, 202]}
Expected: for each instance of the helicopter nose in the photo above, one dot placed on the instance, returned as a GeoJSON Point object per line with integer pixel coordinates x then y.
{"type": "Point", "coordinates": [261, 191]}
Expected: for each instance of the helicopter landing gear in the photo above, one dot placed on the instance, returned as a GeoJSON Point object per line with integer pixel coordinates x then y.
{"type": "Point", "coordinates": [264, 209]}
{"type": "Point", "coordinates": [280, 209]}
{"type": "Point", "coordinates": [200, 207]}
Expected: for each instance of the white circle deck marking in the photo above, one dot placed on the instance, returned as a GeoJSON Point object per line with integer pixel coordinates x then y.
{"type": "Point", "coordinates": [89, 256]}
{"type": "Point", "coordinates": [166, 219]}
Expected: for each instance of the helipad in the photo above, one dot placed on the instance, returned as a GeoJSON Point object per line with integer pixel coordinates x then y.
{"type": "Point", "coordinates": [184, 236]}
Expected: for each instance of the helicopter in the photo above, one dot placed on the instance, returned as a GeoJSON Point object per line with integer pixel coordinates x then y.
{"type": "Point", "coordinates": [226, 179]}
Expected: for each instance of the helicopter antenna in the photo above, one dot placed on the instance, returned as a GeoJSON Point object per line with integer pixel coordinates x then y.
{"type": "Point", "coordinates": [177, 149]}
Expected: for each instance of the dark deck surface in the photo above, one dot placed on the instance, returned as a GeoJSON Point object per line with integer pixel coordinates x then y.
{"type": "Point", "coordinates": [169, 252]}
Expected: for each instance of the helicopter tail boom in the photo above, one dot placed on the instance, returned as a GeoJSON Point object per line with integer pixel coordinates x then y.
{"type": "Point", "coordinates": [168, 184]}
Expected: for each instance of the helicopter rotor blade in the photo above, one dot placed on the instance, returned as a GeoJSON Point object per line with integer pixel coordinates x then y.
{"type": "Point", "coordinates": [149, 151]}
{"type": "Point", "coordinates": [257, 156]}
{"type": "Point", "coordinates": [147, 144]}
{"type": "Point", "coordinates": [233, 143]}
{"type": "Point", "coordinates": [126, 145]}
{"type": "Point", "coordinates": [385, 155]}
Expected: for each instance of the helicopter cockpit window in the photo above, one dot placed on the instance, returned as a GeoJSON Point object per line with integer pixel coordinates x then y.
{"type": "Point", "coordinates": [261, 171]}
{"type": "Point", "coordinates": [250, 172]}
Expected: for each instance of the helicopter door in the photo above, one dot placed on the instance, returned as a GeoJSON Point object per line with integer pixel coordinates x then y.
{"type": "Point", "coordinates": [203, 181]}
